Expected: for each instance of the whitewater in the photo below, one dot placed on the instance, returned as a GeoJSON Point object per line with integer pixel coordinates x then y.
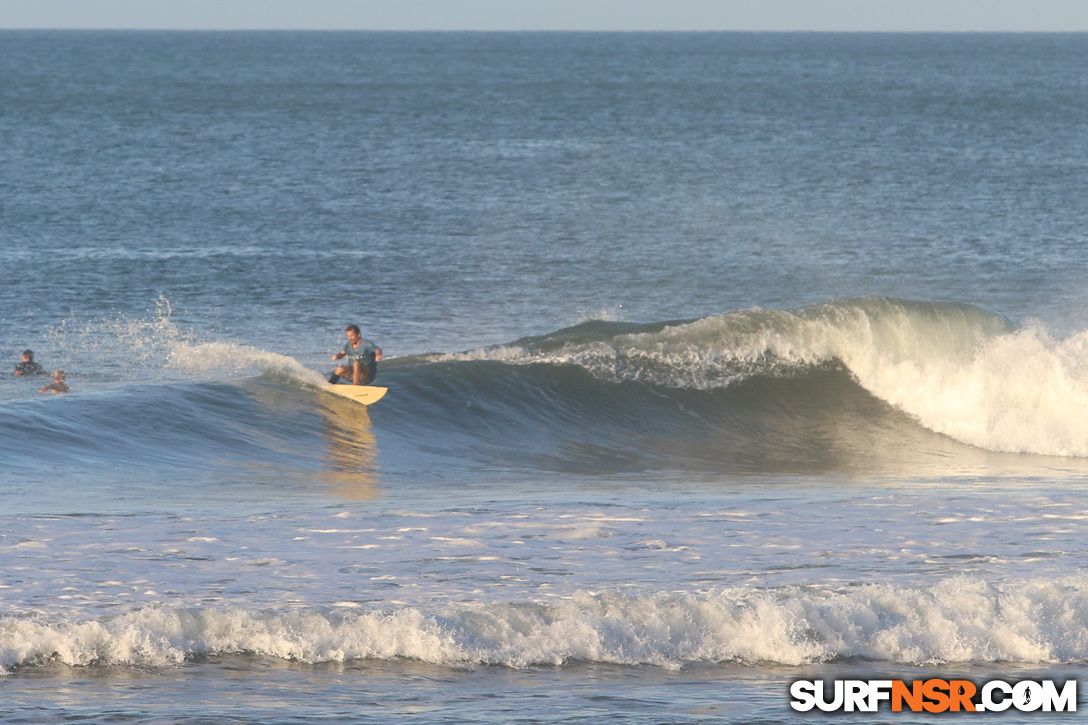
{"type": "Point", "coordinates": [715, 362]}
{"type": "Point", "coordinates": [502, 584]}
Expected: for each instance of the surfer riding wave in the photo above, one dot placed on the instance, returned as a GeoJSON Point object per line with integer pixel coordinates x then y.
{"type": "Point", "coordinates": [360, 358]}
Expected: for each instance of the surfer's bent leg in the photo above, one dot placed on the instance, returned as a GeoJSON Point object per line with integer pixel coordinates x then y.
{"type": "Point", "coordinates": [335, 377]}
{"type": "Point", "coordinates": [364, 375]}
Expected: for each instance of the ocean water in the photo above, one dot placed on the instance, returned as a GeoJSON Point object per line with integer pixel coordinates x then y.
{"type": "Point", "coordinates": [715, 361]}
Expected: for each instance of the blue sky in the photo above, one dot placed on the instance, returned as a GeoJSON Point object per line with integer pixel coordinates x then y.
{"type": "Point", "coordinates": [817, 15]}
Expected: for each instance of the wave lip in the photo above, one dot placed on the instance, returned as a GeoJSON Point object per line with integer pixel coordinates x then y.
{"type": "Point", "coordinates": [721, 350]}
{"type": "Point", "coordinates": [956, 369]}
{"type": "Point", "coordinates": [955, 620]}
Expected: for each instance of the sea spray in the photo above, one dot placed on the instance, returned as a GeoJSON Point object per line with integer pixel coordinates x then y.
{"type": "Point", "coordinates": [155, 347]}
{"type": "Point", "coordinates": [227, 360]}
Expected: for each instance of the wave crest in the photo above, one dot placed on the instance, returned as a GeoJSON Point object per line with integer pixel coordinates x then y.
{"type": "Point", "coordinates": [957, 370]}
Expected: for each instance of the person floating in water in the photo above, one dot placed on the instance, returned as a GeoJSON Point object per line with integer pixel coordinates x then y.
{"type": "Point", "coordinates": [360, 356]}
{"type": "Point", "coordinates": [28, 367]}
{"type": "Point", "coordinates": [58, 385]}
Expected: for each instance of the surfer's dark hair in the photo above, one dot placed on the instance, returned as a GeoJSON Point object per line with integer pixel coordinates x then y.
{"type": "Point", "coordinates": [29, 354]}
{"type": "Point", "coordinates": [352, 328]}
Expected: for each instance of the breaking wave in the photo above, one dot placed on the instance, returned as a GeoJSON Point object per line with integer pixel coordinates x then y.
{"type": "Point", "coordinates": [854, 384]}
{"type": "Point", "coordinates": [955, 620]}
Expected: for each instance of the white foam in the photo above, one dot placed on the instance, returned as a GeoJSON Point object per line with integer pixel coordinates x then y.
{"type": "Point", "coordinates": [955, 620]}
{"type": "Point", "coordinates": [1023, 392]}
{"type": "Point", "coordinates": [958, 370]}
{"type": "Point", "coordinates": [718, 351]}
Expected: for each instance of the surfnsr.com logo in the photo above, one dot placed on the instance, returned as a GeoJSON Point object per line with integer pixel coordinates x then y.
{"type": "Point", "coordinates": [933, 695]}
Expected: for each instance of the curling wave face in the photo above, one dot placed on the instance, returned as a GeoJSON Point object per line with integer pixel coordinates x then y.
{"type": "Point", "coordinates": [874, 385]}
{"type": "Point", "coordinates": [957, 370]}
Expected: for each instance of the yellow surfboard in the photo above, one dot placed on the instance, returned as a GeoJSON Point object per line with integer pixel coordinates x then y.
{"type": "Point", "coordinates": [365, 394]}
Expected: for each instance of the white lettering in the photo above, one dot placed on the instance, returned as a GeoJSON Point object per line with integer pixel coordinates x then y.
{"type": "Point", "coordinates": [821, 699]}
{"type": "Point", "coordinates": [879, 690]}
{"type": "Point", "coordinates": [804, 695]}
{"type": "Point", "coordinates": [856, 695]}
{"type": "Point", "coordinates": [994, 696]}
{"type": "Point", "coordinates": [988, 699]}
{"type": "Point", "coordinates": [1065, 701]}
{"type": "Point", "coordinates": [1027, 696]}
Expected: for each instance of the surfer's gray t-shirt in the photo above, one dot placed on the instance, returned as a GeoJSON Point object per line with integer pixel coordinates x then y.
{"type": "Point", "coordinates": [365, 353]}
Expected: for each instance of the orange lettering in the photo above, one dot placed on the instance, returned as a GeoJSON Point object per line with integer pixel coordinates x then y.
{"type": "Point", "coordinates": [935, 691]}
{"type": "Point", "coordinates": [913, 696]}
{"type": "Point", "coordinates": [961, 693]}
